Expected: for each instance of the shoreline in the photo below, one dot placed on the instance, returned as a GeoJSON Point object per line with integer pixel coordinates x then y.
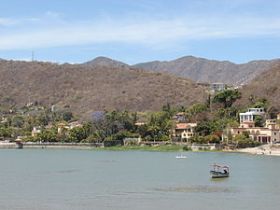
{"type": "Point", "coordinates": [14, 145]}
{"type": "Point", "coordinates": [268, 150]}
{"type": "Point", "coordinates": [99, 147]}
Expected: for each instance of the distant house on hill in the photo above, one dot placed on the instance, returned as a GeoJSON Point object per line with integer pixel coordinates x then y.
{"type": "Point", "coordinates": [180, 117]}
{"type": "Point", "coordinates": [217, 87]}
{"type": "Point", "coordinates": [140, 123]}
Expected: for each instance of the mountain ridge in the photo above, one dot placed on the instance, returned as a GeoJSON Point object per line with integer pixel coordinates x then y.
{"type": "Point", "coordinates": [105, 62]}
{"type": "Point", "coordinates": [195, 68]}
{"type": "Point", "coordinates": [86, 89]}
{"type": "Point", "coordinates": [210, 71]}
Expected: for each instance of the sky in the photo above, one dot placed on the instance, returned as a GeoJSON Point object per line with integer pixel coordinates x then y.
{"type": "Point", "coordinates": [135, 31]}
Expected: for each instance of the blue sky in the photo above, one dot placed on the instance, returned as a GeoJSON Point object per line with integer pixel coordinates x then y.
{"type": "Point", "coordinates": [136, 31]}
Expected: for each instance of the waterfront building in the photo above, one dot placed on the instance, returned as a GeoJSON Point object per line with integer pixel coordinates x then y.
{"type": "Point", "coordinates": [270, 133]}
{"type": "Point", "coordinates": [184, 131]}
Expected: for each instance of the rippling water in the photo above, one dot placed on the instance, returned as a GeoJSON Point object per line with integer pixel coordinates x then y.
{"type": "Point", "coordinates": [78, 179]}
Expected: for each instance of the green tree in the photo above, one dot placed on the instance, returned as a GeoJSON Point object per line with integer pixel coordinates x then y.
{"type": "Point", "coordinates": [168, 110]}
{"type": "Point", "coordinates": [43, 119]}
{"type": "Point", "coordinates": [194, 110]}
{"type": "Point", "coordinates": [5, 132]}
{"type": "Point", "coordinates": [227, 97]}
{"type": "Point", "coordinates": [259, 121]}
{"type": "Point", "coordinates": [153, 129]}
{"type": "Point", "coordinates": [67, 116]}
{"type": "Point", "coordinates": [47, 136]}
{"type": "Point", "coordinates": [204, 128]}
{"type": "Point", "coordinates": [18, 121]}
{"type": "Point", "coordinates": [77, 134]}
{"type": "Point", "coordinates": [261, 103]}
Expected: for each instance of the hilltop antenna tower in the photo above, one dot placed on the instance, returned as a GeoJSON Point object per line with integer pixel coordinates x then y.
{"type": "Point", "coordinates": [32, 56]}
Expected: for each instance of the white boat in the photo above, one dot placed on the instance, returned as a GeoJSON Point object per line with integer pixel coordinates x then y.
{"type": "Point", "coordinates": [181, 156]}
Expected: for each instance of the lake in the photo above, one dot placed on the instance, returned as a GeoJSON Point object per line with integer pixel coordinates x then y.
{"type": "Point", "coordinates": [133, 180]}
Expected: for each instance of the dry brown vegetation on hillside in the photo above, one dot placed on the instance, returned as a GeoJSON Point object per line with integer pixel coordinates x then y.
{"type": "Point", "coordinates": [86, 89]}
{"type": "Point", "coordinates": [209, 71]}
{"type": "Point", "coordinates": [266, 85]}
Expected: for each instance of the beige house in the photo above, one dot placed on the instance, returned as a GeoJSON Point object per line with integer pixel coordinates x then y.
{"type": "Point", "coordinates": [270, 133]}
{"type": "Point", "coordinates": [61, 127]}
{"type": "Point", "coordinates": [74, 124]}
{"type": "Point", "coordinates": [262, 135]}
{"type": "Point", "coordinates": [184, 131]}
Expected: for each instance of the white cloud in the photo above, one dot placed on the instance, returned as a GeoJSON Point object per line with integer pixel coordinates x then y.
{"type": "Point", "coordinates": [53, 31]}
{"type": "Point", "coordinates": [7, 21]}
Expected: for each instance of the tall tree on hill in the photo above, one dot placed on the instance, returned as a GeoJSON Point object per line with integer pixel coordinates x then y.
{"type": "Point", "coordinates": [227, 97]}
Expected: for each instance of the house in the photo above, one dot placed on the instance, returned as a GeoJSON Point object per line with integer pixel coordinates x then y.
{"type": "Point", "coordinates": [270, 133]}
{"type": "Point", "coordinates": [247, 118]}
{"type": "Point", "coordinates": [139, 124]}
{"type": "Point", "coordinates": [4, 120]}
{"type": "Point", "coordinates": [184, 131]}
{"type": "Point", "coordinates": [217, 87]}
{"type": "Point", "coordinates": [180, 117]}
{"type": "Point", "coordinates": [260, 134]}
{"type": "Point", "coordinates": [74, 124]}
{"type": "Point", "coordinates": [61, 127]}
{"type": "Point", "coordinates": [36, 130]}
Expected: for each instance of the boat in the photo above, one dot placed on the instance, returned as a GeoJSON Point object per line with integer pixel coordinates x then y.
{"type": "Point", "coordinates": [219, 171]}
{"type": "Point", "coordinates": [181, 156]}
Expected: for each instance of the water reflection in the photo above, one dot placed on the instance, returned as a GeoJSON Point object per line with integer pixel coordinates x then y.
{"type": "Point", "coordinates": [198, 189]}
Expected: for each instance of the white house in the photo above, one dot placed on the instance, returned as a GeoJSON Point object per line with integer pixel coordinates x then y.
{"type": "Point", "coordinates": [247, 118]}
{"type": "Point", "coordinates": [35, 131]}
{"type": "Point", "coordinates": [216, 87]}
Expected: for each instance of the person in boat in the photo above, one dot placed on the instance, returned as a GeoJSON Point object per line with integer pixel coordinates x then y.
{"type": "Point", "coordinates": [225, 171]}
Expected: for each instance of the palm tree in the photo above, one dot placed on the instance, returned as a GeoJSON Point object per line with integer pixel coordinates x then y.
{"type": "Point", "coordinates": [154, 129]}
{"type": "Point", "coordinates": [227, 97]}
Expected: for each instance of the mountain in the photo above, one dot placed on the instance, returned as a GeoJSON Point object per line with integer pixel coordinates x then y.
{"type": "Point", "coordinates": [88, 88]}
{"type": "Point", "coordinates": [210, 71]}
{"type": "Point", "coordinates": [105, 62]}
{"type": "Point", "coordinates": [266, 85]}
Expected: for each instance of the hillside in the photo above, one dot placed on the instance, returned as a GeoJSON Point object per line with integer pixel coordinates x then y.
{"type": "Point", "coordinates": [87, 88]}
{"type": "Point", "coordinates": [105, 62]}
{"type": "Point", "coordinates": [203, 70]}
{"type": "Point", "coordinates": [266, 86]}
